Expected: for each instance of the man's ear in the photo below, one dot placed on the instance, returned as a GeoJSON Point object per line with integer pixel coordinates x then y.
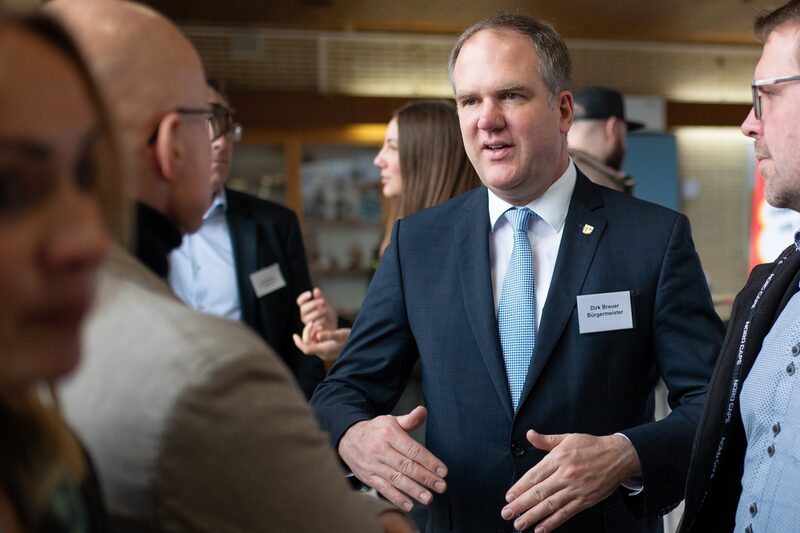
{"type": "Point", "coordinates": [168, 147]}
{"type": "Point", "coordinates": [614, 127]}
{"type": "Point", "coordinates": [566, 107]}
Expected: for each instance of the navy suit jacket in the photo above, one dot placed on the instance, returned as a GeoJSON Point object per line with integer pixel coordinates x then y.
{"type": "Point", "coordinates": [431, 298]}
{"type": "Point", "coordinates": [264, 233]}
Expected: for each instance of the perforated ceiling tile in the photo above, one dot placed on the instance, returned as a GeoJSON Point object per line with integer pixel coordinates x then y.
{"type": "Point", "coordinates": [258, 60]}
{"type": "Point", "coordinates": [381, 64]}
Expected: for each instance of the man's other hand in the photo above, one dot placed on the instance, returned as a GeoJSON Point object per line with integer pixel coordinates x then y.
{"type": "Point", "coordinates": [381, 454]}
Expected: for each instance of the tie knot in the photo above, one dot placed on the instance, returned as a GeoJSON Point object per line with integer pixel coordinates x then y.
{"type": "Point", "coordinates": [519, 218]}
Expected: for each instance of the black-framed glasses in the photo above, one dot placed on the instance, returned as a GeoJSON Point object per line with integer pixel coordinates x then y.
{"type": "Point", "coordinates": [755, 84]}
{"type": "Point", "coordinates": [227, 125]}
{"type": "Point", "coordinates": [212, 121]}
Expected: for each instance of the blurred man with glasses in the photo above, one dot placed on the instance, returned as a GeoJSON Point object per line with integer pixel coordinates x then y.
{"type": "Point", "coordinates": [193, 422]}
{"type": "Point", "coordinates": [745, 470]}
{"type": "Point", "coordinates": [247, 261]}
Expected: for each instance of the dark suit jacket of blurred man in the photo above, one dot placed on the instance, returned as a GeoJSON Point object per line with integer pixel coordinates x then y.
{"type": "Point", "coordinates": [263, 234]}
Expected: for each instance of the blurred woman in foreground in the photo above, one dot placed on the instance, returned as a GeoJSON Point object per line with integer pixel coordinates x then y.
{"type": "Point", "coordinates": [59, 188]}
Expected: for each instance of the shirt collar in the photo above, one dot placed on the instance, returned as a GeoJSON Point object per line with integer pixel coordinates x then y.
{"type": "Point", "coordinates": [551, 206]}
{"type": "Point", "coordinates": [219, 205]}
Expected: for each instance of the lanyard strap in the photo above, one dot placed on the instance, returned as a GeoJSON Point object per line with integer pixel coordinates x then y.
{"type": "Point", "coordinates": [734, 389]}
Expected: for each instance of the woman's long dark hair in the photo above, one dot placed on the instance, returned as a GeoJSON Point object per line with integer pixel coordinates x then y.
{"type": "Point", "coordinates": [433, 163]}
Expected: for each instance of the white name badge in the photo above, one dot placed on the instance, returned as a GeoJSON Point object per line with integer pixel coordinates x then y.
{"type": "Point", "coordinates": [267, 280]}
{"type": "Point", "coordinates": [609, 311]}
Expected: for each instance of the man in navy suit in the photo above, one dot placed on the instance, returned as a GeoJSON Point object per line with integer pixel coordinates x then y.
{"type": "Point", "coordinates": [247, 261]}
{"type": "Point", "coordinates": [617, 298]}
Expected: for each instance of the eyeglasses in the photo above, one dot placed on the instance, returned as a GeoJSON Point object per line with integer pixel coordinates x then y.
{"type": "Point", "coordinates": [224, 116]}
{"type": "Point", "coordinates": [755, 84]}
{"type": "Point", "coordinates": [213, 121]}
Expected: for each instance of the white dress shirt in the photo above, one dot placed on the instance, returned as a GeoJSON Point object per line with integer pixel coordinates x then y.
{"type": "Point", "coordinates": [202, 269]}
{"type": "Point", "coordinates": [544, 232]}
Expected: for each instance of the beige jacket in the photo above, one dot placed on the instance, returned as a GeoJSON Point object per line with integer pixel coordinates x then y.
{"type": "Point", "coordinates": [600, 173]}
{"type": "Point", "coordinates": [194, 423]}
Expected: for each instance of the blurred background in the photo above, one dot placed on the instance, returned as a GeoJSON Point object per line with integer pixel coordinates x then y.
{"type": "Point", "coordinates": [314, 82]}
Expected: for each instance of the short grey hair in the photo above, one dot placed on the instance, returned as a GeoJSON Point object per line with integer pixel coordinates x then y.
{"type": "Point", "coordinates": [555, 65]}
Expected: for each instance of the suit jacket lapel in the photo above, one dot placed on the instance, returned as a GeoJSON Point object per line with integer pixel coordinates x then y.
{"type": "Point", "coordinates": [472, 235]}
{"type": "Point", "coordinates": [575, 256]}
{"type": "Point", "coordinates": [245, 242]}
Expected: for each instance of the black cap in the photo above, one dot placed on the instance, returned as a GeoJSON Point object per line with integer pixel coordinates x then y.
{"type": "Point", "coordinates": [601, 103]}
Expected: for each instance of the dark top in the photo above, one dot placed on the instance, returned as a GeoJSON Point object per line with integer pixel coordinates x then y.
{"type": "Point", "coordinates": [71, 507]}
{"type": "Point", "coordinates": [714, 484]}
{"type": "Point", "coordinates": [156, 237]}
{"type": "Point", "coordinates": [265, 234]}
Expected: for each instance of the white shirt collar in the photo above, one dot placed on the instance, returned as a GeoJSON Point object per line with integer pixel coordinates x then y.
{"type": "Point", "coordinates": [551, 206]}
{"type": "Point", "coordinates": [219, 204]}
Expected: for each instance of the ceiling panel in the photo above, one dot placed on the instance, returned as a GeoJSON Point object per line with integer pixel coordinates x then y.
{"type": "Point", "coordinates": [699, 21]}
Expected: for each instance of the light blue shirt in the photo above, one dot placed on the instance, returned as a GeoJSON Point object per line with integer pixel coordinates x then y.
{"type": "Point", "coordinates": [202, 269]}
{"type": "Point", "coordinates": [770, 408]}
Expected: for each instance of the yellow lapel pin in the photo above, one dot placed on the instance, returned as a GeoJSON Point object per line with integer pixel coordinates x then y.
{"type": "Point", "coordinates": [587, 229]}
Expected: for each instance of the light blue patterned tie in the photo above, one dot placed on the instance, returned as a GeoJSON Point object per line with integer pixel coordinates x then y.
{"type": "Point", "coordinates": [516, 314]}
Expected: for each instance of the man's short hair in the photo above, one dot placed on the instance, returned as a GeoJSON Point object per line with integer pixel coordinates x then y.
{"type": "Point", "coordinates": [766, 22]}
{"type": "Point", "coordinates": [555, 65]}
{"type": "Point", "coordinates": [218, 87]}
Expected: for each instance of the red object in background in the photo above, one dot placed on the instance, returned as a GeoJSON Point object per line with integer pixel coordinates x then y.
{"type": "Point", "coordinates": [771, 229]}
{"type": "Point", "coordinates": [756, 222]}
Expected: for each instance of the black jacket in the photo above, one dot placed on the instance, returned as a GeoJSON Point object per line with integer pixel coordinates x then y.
{"type": "Point", "coordinates": [711, 501]}
{"type": "Point", "coordinates": [264, 233]}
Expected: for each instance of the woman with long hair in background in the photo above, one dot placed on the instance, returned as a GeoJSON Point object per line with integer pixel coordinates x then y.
{"type": "Point", "coordinates": [422, 163]}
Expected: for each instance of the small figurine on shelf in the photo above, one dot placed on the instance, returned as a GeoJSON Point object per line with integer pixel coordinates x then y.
{"type": "Point", "coordinates": [354, 254]}
{"type": "Point", "coordinates": [340, 202]}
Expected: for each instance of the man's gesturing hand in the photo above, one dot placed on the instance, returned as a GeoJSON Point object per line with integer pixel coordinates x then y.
{"type": "Point", "coordinates": [381, 454]}
{"type": "Point", "coordinates": [579, 471]}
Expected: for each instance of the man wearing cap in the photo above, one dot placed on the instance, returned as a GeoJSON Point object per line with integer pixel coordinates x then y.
{"type": "Point", "coordinates": [246, 262]}
{"type": "Point", "coordinates": [597, 137]}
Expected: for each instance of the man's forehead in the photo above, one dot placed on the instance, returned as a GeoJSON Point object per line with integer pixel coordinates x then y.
{"type": "Point", "coordinates": [504, 58]}
{"type": "Point", "coordinates": [495, 47]}
{"type": "Point", "coordinates": [780, 52]}
{"type": "Point", "coordinates": [492, 37]}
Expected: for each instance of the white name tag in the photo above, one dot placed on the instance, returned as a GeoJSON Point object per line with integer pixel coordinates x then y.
{"type": "Point", "coordinates": [267, 280]}
{"type": "Point", "coordinates": [608, 311]}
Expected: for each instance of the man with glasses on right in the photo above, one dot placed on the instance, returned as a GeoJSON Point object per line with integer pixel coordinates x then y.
{"type": "Point", "coordinates": [745, 469]}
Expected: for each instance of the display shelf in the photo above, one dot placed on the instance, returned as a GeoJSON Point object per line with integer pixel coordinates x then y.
{"type": "Point", "coordinates": [328, 179]}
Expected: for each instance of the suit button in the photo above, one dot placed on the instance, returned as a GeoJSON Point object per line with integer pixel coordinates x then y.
{"type": "Point", "coordinates": [790, 369]}
{"type": "Point", "coordinates": [796, 350]}
{"type": "Point", "coordinates": [753, 509]}
{"type": "Point", "coordinates": [770, 450]}
{"type": "Point", "coordinates": [776, 428]}
{"type": "Point", "coordinates": [517, 449]}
